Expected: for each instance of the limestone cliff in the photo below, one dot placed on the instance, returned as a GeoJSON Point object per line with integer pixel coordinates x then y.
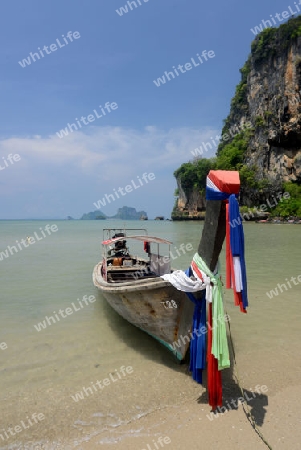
{"type": "Point", "coordinates": [190, 204]}
{"type": "Point", "coordinates": [268, 97]}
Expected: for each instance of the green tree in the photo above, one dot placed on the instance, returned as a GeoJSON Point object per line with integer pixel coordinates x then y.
{"type": "Point", "coordinates": [193, 174]}
{"type": "Point", "coordinates": [289, 206]}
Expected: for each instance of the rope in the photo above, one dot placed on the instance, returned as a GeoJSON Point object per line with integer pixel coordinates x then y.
{"type": "Point", "coordinates": [245, 406]}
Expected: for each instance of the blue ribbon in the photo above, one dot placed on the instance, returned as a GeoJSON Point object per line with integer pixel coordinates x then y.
{"type": "Point", "coordinates": [211, 194]}
{"type": "Point", "coordinates": [237, 243]}
{"type": "Point", "coordinates": [198, 343]}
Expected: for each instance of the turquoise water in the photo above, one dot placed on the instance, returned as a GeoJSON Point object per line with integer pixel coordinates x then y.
{"type": "Point", "coordinates": [41, 371]}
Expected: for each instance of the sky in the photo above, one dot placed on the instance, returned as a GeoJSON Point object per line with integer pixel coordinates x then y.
{"type": "Point", "coordinates": [91, 54]}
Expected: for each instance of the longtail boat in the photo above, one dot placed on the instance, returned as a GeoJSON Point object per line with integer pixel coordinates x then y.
{"type": "Point", "coordinates": [133, 287]}
{"type": "Point", "coordinates": [146, 292]}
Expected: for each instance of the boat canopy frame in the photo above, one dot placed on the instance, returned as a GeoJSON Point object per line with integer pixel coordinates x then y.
{"type": "Point", "coordinates": [135, 237]}
{"type": "Point", "coordinates": [108, 233]}
{"type": "Point", "coordinates": [151, 239]}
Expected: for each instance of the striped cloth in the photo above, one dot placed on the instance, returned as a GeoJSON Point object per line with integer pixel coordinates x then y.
{"type": "Point", "coordinates": [225, 185]}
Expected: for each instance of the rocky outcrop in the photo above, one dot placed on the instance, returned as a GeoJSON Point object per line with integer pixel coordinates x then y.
{"type": "Point", "coordinates": [93, 215]}
{"type": "Point", "coordinates": [190, 205]}
{"type": "Point", "coordinates": [269, 99]}
{"type": "Point", "coordinates": [128, 213]}
{"type": "Point", "coordinates": [274, 105]}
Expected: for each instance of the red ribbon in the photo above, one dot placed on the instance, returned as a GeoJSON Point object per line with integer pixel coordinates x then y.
{"type": "Point", "coordinates": [214, 376]}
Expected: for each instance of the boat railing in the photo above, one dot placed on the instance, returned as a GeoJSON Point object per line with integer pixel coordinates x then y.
{"type": "Point", "coordinates": [109, 233]}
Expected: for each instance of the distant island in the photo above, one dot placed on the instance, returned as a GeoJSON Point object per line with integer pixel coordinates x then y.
{"type": "Point", "coordinates": [124, 213]}
{"type": "Point", "coordinates": [96, 215]}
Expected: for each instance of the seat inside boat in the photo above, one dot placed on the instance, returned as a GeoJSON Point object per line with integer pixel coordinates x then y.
{"type": "Point", "coordinates": [121, 269]}
{"type": "Point", "coordinates": [122, 266]}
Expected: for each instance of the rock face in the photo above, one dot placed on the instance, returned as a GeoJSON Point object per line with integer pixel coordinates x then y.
{"type": "Point", "coordinates": [274, 95]}
{"type": "Point", "coordinates": [269, 99]}
{"type": "Point", "coordinates": [281, 150]}
{"type": "Point", "coordinates": [190, 205]}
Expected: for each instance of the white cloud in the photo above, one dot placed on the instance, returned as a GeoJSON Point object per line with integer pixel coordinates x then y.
{"type": "Point", "coordinates": [94, 161]}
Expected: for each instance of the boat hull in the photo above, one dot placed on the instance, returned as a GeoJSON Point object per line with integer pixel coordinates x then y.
{"type": "Point", "coordinates": [154, 306]}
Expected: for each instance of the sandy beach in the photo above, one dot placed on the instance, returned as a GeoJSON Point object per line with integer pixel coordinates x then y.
{"type": "Point", "coordinates": [277, 417]}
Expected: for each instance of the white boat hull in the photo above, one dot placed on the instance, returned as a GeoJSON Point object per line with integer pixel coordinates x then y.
{"type": "Point", "coordinates": [149, 304]}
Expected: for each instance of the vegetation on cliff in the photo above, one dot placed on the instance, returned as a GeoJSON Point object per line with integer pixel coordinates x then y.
{"type": "Point", "coordinates": [272, 40]}
{"type": "Point", "coordinates": [290, 207]}
{"type": "Point", "coordinates": [193, 174]}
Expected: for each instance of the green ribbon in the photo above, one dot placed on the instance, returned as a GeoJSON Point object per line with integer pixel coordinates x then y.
{"type": "Point", "coordinates": [219, 348]}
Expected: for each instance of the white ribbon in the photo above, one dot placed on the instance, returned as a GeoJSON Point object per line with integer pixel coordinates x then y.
{"type": "Point", "coordinates": [207, 282]}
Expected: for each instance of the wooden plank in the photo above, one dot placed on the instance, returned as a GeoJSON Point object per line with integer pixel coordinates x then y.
{"type": "Point", "coordinates": [214, 233]}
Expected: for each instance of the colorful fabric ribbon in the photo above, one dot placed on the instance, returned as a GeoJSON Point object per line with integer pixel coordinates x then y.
{"type": "Point", "coordinates": [217, 344]}
{"type": "Point", "coordinates": [219, 348]}
{"type": "Point", "coordinates": [236, 276]}
{"type": "Point", "coordinates": [198, 342]}
{"type": "Point", "coordinates": [214, 376]}
{"type": "Point", "coordinates": [225, 185]}
{"type": "Point", "coordinates": [216, 351]}
{"type": "Point", "coordinates": [221, 185]}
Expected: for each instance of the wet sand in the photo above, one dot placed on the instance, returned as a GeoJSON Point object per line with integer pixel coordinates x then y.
{"type": "Point", "coordinates": [159, 400]}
